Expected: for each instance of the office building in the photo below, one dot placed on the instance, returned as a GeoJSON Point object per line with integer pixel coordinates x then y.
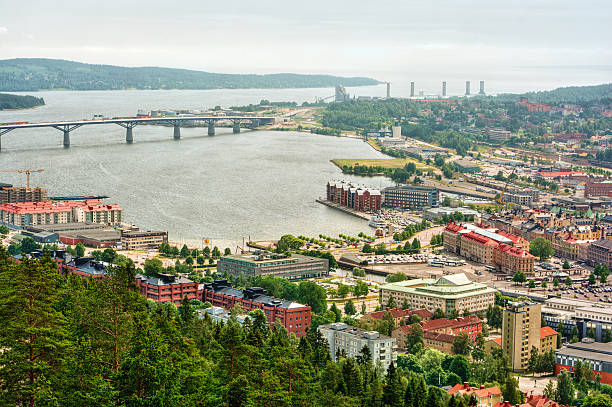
{"type": "Point", "coordinates": [521, 323]}
{"type": "Point", "coordinates": [9, 193]}
{"type": "Point", "coordinates": [293, 316]}
{"type": "Point", "coordinates": [350, 340]}
{"type": "Point", "coordinates": [467, 88]}
{"type": "Point", "coordinates": [444, 89]}
{"type": "Point", "coordinates": [388, 90]}
{"type": "Point", "coordinates": [598, 355]}
{"type": "Point", "coordinates": [410, 197]}
{"type": "Point", "coordinates": [482, 91]}
{"type": "Point", "coordinates": [411, 89]}
{"type": "Point", "coordinates": [167, 288]}
{"type": "Point", "coordinates": [455, 292]}
{"type": "Point", "coordinates": [260, 263]}
{"type": "Point", "coordinates": [141, 240]}
{"type": "Point", "coordinates": [498, 134]}
{"type": "Point", "coordinates": [518, 198]}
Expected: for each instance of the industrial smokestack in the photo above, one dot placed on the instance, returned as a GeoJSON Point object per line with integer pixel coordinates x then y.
{"type": "Point", "coordinates": [482, 92]}
{"type": "Point", "coordinates": [444, 88]}
{"type": "Point", "coordinates": [411, 89]}
{"type": "Point", "coordinates": [467, 88]}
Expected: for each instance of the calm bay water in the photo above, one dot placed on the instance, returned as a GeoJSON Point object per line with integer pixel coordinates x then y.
{"type": "Point", "coordinates": [260, 184]}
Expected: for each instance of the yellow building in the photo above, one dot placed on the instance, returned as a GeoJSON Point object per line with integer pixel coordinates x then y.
{"type": "Point", "coordinates": [521, 325]}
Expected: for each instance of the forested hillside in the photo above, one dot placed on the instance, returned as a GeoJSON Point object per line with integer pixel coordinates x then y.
{"type": "Point", "coordinates": [41, 74]}
{"type": "Point", "coordinates": [19, 102]}
{"type": "Point", "coordinates": [570, 94]}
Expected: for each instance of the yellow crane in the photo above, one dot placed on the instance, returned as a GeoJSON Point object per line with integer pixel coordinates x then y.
{"type": "Point", "coordinates": [27, 173]}
{"type": "Point", "coordinates": [499, 200]}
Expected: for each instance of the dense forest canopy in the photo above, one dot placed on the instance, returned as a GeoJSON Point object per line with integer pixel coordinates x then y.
{"type": "Point", "coordinates": [31, 74]}
{"type": "Point", "coordinates": [19, 102]}
{"type": "Point", "coordinates": [570, 94]}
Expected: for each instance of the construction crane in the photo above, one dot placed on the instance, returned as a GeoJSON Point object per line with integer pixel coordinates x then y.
{"type": "Point", "coordinates": [27, 173]}
{"type": "Point", "coordinates": [499, 200]}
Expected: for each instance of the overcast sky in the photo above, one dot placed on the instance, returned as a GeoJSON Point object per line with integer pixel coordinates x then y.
{"type": "Point", "coordinates": [331, 36]}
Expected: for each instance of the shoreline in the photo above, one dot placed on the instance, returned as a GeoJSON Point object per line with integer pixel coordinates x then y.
{"type": "Point", "coordinates": [23, 108]}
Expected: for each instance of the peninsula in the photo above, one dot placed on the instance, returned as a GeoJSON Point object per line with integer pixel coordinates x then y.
{"type": "Point", "coordinates": [33, 74]}
{"type": "Point", "coordinates": [8, 102]}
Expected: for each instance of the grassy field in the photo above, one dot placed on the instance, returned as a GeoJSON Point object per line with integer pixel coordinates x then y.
{"type": "Point", "coordinates": [383, 162]}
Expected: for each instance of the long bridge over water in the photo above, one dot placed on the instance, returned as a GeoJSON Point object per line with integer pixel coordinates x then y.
{"type": "Point", "coordinates": [130, 122]}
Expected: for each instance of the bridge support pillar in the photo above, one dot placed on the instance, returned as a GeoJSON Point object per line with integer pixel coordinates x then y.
{"type": "Point", "coordinates": [129, 136]}
{"type": "Point", "coordinates": [177, 132]}
{"type": "Point", "coordinates": [236, 127]}
{"type": "Point", "coordinates": [211, 128]}
{"type": "Point", "coordinates": [66, 138]}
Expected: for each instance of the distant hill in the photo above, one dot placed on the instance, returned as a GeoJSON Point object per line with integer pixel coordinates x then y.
{"type": "Point", "coordinates": [570, 94]}
{"type": "Point", "coordinates": [19, 102]}
{"type": "Point", "coordinates": [31, 74]}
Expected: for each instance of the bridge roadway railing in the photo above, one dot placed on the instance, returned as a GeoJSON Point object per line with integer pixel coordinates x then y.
{"type": "Point", "coordinates": [130, 122]}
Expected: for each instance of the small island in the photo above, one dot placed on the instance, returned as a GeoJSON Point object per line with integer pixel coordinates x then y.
{"type": "Point", "coordinates": [9, 102]}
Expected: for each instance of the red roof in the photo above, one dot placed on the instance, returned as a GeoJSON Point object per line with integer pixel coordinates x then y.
{"type": "Point", "coordinates": [554, 174]}
{"type": "Point", "coordinates": [422, 312]}
{"type": "Point", "coordinates": [541, 401]}
{"type": "Point", "coordinates": [481, 392]}
{"type": "Point", "coordinates": [454, 227]}
{"type": "Point", "coordinates": [395, 312]}
{"type": "Point", "coordinates": [22, 208]}
{"type": "Point", "coordinates": [498, 340]}
{"type": "Point", "coordinates": [451, 323]}
{"type": "Point", "coordinates": [438, 336]}
{"type": "Point", "coordinates": [483, 240]}
{"type": "Point", "coordinates": [547, 331]}
{"type": "Point", "coordinates": [514, 251]}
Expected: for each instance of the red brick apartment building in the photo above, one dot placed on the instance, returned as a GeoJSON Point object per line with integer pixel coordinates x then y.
{"type": "Point", "coordinates": [597, 189]}
{"type": "Point", "coordinates": [600, 252]}
{"type": "Point", "coordinates": [355, 197]}
{"type": "Point", "coordinates": [167, 288]}
{"type": "Point", "coordinates": [470, 325]}
{"type": "Point", "coordinates": [532, 106]}
{"type": "Point", "coordinates": [293, 316]}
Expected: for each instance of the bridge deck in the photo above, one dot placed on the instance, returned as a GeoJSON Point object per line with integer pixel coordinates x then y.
{"type": "Point", "coordinates": [131, 120]}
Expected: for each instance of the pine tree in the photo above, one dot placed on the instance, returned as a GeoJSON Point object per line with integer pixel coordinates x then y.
{"type": "Point", "coordinates": [32, 333]}
{"type": "Point", "coordinates": [352, 378]}
{"type": "Point", "coordinates": [510, 392]}
{"type": "Point", "coordinates": [392, 390]}
{"type": "Point", "coordinates": [565, 388]}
